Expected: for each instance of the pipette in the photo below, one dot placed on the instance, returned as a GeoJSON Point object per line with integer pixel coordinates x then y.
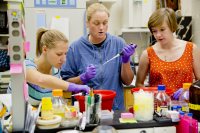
{"type": "Point", "coordinates": [77, 94]}
{"type": "Point", "coordinates": [113, 57]}
{"type": "Point", "coordinates": [119, 54]}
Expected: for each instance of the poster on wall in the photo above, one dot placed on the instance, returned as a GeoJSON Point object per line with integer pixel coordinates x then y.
{"type": "Point", "coordinates": [174, 4]}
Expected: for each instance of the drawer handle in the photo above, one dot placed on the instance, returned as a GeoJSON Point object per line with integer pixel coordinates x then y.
{"type": "Point", "coordinates": [143, 131]}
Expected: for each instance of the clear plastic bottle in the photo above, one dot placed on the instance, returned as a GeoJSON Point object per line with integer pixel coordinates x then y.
{"type": "Point", "coordinates": [162, 101]}
{"type": "Point", "coordinates": [58, 102]}
{"type": "Point", "coordinates": [184, 97]}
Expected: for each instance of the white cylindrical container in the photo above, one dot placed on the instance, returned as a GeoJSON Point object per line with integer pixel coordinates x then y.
{"type": "Point", "coordinates": [143, 105]}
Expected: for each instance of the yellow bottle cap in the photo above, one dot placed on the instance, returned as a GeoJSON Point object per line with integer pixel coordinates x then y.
{"type": "Point", "coordinates": [186, 85]}
{"type": "Point", "coordinates": [57, 92]}
{"type": "Point", "coordinates": [47, 103]}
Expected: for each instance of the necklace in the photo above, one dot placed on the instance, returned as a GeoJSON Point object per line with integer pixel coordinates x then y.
{"type": "Point", "coordinates": [165, 58]}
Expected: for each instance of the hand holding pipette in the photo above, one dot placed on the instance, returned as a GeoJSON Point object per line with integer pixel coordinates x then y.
{"type": "Point", "coordinates": [127, 51]}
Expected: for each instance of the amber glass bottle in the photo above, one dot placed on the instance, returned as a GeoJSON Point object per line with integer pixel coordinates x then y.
{"type": "Point", "coordinates": [194, 99]}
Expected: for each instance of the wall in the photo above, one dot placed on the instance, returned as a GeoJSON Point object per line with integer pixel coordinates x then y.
{"type": "Point", "coordinates": [115, 24]}
{"type": "Point", "coordinates": [188, 8]}
{"type": "Point", "coordinates": [196, 21]}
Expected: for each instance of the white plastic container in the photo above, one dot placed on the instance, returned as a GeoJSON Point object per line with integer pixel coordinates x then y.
{"type": "Point", "coordinates": [143, 105]}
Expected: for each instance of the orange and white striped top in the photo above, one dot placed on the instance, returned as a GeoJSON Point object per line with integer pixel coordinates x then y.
{"type": "Point", "coordinates": [172, 74]}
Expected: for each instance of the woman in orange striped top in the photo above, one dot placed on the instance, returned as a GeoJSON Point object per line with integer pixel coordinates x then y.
{"type": "Point", "coordinates": [170, 61]}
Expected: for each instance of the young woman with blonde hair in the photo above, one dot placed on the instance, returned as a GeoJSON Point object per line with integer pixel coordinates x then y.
{"type": "Point", "coordinates": [41, 76]}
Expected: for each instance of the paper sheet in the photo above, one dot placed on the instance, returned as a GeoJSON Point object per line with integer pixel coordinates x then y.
{"type": "Point", "coordinates": [61, 24]}
{"type": "Point", "coordinates": [132, 120]}
{"type": "Point", "coordinates": [15, 68]}
{"type": "Point", "coordinates": [7, 100]}
{"type": "Point", "coordinates": [41, 20]}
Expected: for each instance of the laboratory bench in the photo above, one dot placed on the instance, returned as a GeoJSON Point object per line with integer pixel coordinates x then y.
{"type": "Point", "coordinates": [139, 127]}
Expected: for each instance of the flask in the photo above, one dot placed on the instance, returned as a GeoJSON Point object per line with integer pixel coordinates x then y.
{"type": "Point", "coordinates": [184, 97]}
{"type": "Point", "coordinates": [58, 102]}
{"type": "Point", "coordinates": [162, 101]}
{"type": "Point", "coordinates": [194, 99]}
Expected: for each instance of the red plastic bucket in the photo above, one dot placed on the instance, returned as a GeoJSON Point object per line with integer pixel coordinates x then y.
{"type": "Point", "coordinates": [168, 91]}
{"type": "Point", "coordinates": [107, 99]}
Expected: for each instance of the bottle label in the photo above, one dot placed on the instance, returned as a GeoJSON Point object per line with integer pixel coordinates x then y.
{"type": "Point", "coordinates": [185, 108]}
{"type": "Point", "coordinates": [162, 110]}
{"type": "Point", "coordinates": [194, 106]}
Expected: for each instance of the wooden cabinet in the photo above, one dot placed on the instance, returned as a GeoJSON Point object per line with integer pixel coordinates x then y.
{"type": "Point", "coordinates": [128, 97]}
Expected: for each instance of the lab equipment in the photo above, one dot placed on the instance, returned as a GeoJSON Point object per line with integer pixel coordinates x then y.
{"type": "Point", "coordinates": [154, 90]}
{"type": "Point", "coordinates": [184, 97]}
{"type": "Point", "coordinates": [107, 98]}
{"type": "Point", "coordinates": [187, 124]}
{"type": "Point", "coordinates": [162, 101]}
{"type": "Point", "coordinates": [194, 99]}
{"type": "Point", "coordinates": [143, 105]}
{"type": "Point", "coordinates": [46, 109]}
{"type": "Point", "coordinates": [77, 94]}
{"type": "Point", "coordinates": [58, 102]}
{"type": "Point", "coordinates": [113, 58]}
{"type": "Point", "coordinates": [71, 118]}
{"type": "Point", "coordinates": [16, 50]}
{"type": "Point", "coordinates": [126, 57]}
{"type": "Point", "coordinates": [49, 124]}
{"type": "Point", "coordinates": [179, 92]}
{"type": "Point", "coordinates": [136, 13]}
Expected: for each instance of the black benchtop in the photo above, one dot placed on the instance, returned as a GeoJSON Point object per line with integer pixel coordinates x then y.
{"type": "Point", "coordinates": [116, 124]}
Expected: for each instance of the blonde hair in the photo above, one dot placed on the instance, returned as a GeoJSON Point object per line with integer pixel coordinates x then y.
{"type": "Point", "coordinates": [94, 8]}
{"type": "Point", "coordinates": [163, 14]}
{"type": "Point", "coordinates": [48, 38]}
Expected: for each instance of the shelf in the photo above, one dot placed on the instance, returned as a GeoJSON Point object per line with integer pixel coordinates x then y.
{"type": "Point", "coordinates": [7, 35]}
{"type": "Point", "coordinates": [14, 0]}
{"type": "Point", "coordinates": [104, 1]}
{"type": "Point", "coordinates": [107, 1]}
{"type": "Point", "coordinates": [3, 47]}
{"type": "Point", "coordinates": [133, 30]}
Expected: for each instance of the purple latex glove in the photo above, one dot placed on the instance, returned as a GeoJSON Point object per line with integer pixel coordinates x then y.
{"type": "Point", "coordinates": [177, 94]}
{"type": "Point", "coordinates": [89, 74]}
{"type": "Point", "coordinates": [78, 88]}
{"type": "Point", "coordinates": [127, 52]}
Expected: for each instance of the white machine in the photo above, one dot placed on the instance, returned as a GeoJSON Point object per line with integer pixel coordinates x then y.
{"type": "Point", "coordinates": [67, 15]}
{"type": "Point", "coordinates": [137, 12]}
{"type": "Point", "coordinates": [16, 47]}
